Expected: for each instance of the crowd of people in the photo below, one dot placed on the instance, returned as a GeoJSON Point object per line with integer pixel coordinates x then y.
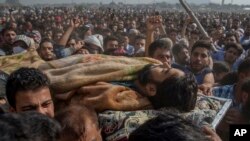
{"type": "Point", "coordinates": [189, 64]}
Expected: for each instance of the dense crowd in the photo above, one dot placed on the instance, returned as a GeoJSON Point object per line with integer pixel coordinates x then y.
{"type": "Point", "coordinates": [187, 64]}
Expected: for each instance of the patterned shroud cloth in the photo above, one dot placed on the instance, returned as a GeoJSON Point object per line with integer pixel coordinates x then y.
{"type": "Point", "coordinates": [79, 70]}
{"type": "Point", "coordinates": [117, 125]}
{"type": "Point", "coordinates": [10, 63]}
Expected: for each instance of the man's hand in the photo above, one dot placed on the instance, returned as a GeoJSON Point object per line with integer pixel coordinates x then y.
{"type": "Point", "coordinates": [75, 23]}
{"type": "Point", "coordinates": [154, 22]}
{"type": "Point", "coordinates": [211, 134]}
{"type": "Point", "coordinates": [205, 89]}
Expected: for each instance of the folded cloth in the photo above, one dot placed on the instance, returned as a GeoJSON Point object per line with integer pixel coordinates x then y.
{"type": "Point", "coordinates": [11, 63]}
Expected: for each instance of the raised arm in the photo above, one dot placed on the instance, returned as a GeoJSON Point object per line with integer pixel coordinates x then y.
{"type": "Point", "coordinates": [153, 22]}
{"type": "Point", "coordinates": [74, 23]}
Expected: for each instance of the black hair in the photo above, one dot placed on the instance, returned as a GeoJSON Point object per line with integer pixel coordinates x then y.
{"type": "Point", "coordinates": [244, 66]}
{"type": "Point", "coordinates": [41, 127]}
{"type": "Point", "coordinates": [24, 79]}
{"type": "Point", "coordinates": [236, 46]}
{"type": "Point", "coordinates": [202, 44]}
{"type": "Point", "coordinates": [157, 44]}
{"type": "Point", "coordinates": [220, 66]}
{"type": "Point", "coordinates": [177, 49]}
{"type": "Point", "coordinates": [4, 30]}
{"type": "Point", "coordinates": [28, 126]}
{"type": "Point", "coordinates": [167, 127]}
{"type": "Point", "coordinates": [176, 92]}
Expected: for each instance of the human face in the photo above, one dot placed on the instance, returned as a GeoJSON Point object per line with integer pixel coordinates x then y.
{"type": "Point", "coordinates": [111, 45]}
{"type": "Point", "coordinates": [46, 51]}
{"type": "Point", "coordinates": [140, 43]}
{"type": "Point", "coordinates": [199, 59]}
{"type": "Point", "coordinates": [231, 39]}
{"type": "Point", "coordinates": [9, 36]}
{"type": "Point", "coordinates": [35, 100]}
{"type": "Point", "coordinates": [183, 57]}
{"type": "Point", "coordinates": [231, 55]}
{"type": "Point", "coordinates": [163, 55]}
{"type": "Point", "coordinates": [161, 72]}
{"type": "Point", "coordinates": [72, 43]}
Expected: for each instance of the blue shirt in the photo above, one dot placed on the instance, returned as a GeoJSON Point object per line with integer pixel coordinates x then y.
{"type": "Point", "coordinates": [226, 91]}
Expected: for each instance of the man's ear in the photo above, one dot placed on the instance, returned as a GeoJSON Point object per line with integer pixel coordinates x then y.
{"type": "Point", "coordinates": [151, 89]}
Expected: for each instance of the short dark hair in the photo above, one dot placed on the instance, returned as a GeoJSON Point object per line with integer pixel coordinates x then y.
{"type": "Point", "coordinates": [4, 30]}
{"type": "Point", "coordinates": [28, 126]}
{"type": "Point", "coordinates": [177, 48]}
{"type": "Point", "coordinates": [176, 92]}
{"type": "Point", "coordinates": [24, 79]}
{"type": "Point", "coordinates": [167, 127]}
{"type": "Point", "coordinates": [236, 46]}
{"type": "Point", "coordinates": [202, 44]}
{"type": "Point", "coordinates": [244, 66]}
{"type": "Point", "coordinates": [233, 33]}
{"type": "Point", "coordinates": [220, 66]}
{"type": "Point", "coordinates": [109, 38]}
{"type": "Point", "coordinates": [157, 44]}
{"type": "Point", "coordinates": [45, 40]}
{"type": "Point", "coordinates": [41, 127]}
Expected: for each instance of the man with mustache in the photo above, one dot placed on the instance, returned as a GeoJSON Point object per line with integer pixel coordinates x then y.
{"type": "Point", "coordinates": [199, 65]}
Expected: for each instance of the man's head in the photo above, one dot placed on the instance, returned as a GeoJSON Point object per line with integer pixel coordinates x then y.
{"type": "Point", "coordinates": [200, 53]}
{"type": "Point", "coordinates": [46, 50]}
{"type": "Point", "coordinates": [167, 127]}
{"type": "Point", "coordinates": [232, 52]}
{"type": "Point", "coordinates": [181, 54]}
{"type": "Point", "coordinates": [168, 87]}
{"type": "Point", "coordinates": [80, 123]}
{"type": "Point", "coordinates": [140, 42]}
{"type": "Point", "coordinates": [220, 69]}
{"type": "Point", "coordinates": [244, 70]}
{"type": "Point", "coordinates": [161, 50]}
{"type": "Point", "coordinates": [8, 35]}
{"type": "Point", "coordinates": [231, 37]}
{"type": "Point", "coordinates": [27, 89]}
{"type": "Point", "coordinates": [110, 44]}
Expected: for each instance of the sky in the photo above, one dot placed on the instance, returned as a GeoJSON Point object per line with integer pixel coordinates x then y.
{"type": "Point", "coordinates": [125, 1]}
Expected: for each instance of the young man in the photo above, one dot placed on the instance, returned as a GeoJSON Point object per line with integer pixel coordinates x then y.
{"type": "Point", "coordinates": [181, 57]}
{"type": "Point", "coordinates": [49, 51]}
{"type": "Point", "coordinates": [161, 50]}
{"type": "Point", "coordinates": [27, 89]}
{"type": "Point", "coordinates": [110, 45]}
{"type": "Point", "coordinates": [140, 42]}
{"type": "Point", "coordinates": [199, 65]}
{"type": "Point", "coordinates": [8, 35]}
{"type": "Point", "coordinates": [232, 53]}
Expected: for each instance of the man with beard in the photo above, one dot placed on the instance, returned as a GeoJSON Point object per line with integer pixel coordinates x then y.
{"type": "Point", "coordinates": [181, 57]}
{"type": "Point", "coordinates": [8, 36]}
{"type": "Point", "coordinates": [157, 85]}
{"type": "Point", "coordinates": [199, 65]}
{"type": "Point", "coordinates": [167, 87]}
{"type": "Point", "coordinates": [110, 45]}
